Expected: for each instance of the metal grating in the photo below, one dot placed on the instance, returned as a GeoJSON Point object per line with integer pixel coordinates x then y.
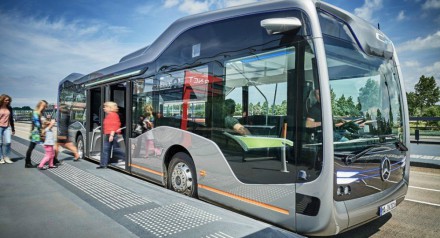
{"type": "Point", "coordinates": [172, 219]}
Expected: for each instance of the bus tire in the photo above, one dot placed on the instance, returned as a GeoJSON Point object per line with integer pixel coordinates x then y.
{"type": "Point", "coordinates": [80, 146]}
{"type": "Point", "coordinates": [182, 177]}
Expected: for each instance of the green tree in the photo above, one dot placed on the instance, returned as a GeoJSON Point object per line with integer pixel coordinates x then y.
{"type": "Point", "coordinates": [427, 93]}
{"type": "Point", "coordinates": [412, 103]}
{"type": "Point", "coordinates": [369, 95]}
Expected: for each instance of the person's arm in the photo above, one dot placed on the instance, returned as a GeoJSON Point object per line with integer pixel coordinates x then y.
{"type": "Point", "coordinates": [52, 123]}
{"type": "Point", "coordinates": [311, 123]}
{"type": "Point", "coordinates": [239, 128]}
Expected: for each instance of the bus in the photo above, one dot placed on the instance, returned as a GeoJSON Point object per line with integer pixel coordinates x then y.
{"type": "Point", "coordinates": [290, 111]}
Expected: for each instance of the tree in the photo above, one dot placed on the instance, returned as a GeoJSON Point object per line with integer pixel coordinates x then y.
{"type": "Point", "coordinates": [427, 93]}
{"type": "Point", "coordinates": [412, 103]}
{"type": "Point", "coordinates": [369, 95]}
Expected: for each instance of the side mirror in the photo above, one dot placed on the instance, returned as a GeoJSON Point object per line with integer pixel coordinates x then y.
{"type": "Point", "coordinates": [280, 25]}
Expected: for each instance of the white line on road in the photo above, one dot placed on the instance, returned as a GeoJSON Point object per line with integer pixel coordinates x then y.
{"type": "Point", "coordinates": [427, 157]}
{"type": "Point", "coordinates": [428, 203]}
{"type": "Point", "coordinates": [429, 189]}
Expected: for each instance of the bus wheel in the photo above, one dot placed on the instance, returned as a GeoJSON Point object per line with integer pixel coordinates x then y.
{"type": "Point", "coordinates": [182, 176]}
{"type": "Point", "coordinates": [80, 146]}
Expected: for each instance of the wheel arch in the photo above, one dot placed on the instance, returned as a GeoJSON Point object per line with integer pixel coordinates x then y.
{"type": "Point", "coordinates": [172, 151]}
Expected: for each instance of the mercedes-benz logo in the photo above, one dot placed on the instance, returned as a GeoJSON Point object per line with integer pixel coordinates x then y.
{"type": "Point", "coordinates": [385, 169]}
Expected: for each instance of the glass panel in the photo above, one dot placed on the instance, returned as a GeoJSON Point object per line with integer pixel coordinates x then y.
{"type": "Point", "coordinates": [256, 142]}
{"type": "Point", "coordinates": [365, 95]}
{"type": "Point", "coordinates": [183, 96]}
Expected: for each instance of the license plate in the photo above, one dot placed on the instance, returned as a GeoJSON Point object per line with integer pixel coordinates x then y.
{"type": "Point", "coordinates": [387, 208]}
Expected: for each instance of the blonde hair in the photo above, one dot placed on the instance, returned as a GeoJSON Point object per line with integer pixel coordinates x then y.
{"type": "Point", "coordinates": [112, 105]}
{"type": "Point", "coordinates": [148, 108]}
{"type": "Point", "coordinates": [37, 108]}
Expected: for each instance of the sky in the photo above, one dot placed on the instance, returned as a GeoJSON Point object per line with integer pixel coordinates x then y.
{"type": "Point", "coordinates": [43, 41]}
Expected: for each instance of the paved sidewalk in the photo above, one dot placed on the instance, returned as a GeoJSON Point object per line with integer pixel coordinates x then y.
{"type": "Point", "coordinates": [77, 200]}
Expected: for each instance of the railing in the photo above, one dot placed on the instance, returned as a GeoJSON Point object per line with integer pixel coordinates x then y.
{"type": "Point", "coordinates": [425, 130]}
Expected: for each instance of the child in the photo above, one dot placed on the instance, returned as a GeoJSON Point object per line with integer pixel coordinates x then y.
{"type": "Point", "coordinates": [48, 145]}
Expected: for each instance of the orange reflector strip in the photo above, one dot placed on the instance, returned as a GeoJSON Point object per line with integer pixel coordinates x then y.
{"type": "Point", "coordinates": [247, 200]}
{"type": "Point", "coordinates": [146, 169]}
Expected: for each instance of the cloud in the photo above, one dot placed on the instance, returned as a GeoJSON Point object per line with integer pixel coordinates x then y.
{"type": "Point", "coordinates": [431, 4]}
{"type": "Point", "coordinates": [401, 16]}
{"type": "Point", "coordinates": [367, 10]}
{"type": "Point", "coordinates": [36, 53]}
{"type": "Point", "coordinates": [412, 71]}
{"type": "Point", "coordinates": [231, 3]}
{"type": "Point", "coordinates": [429, 42]}
{"type": "Point", "coordinates": [198, 6]}
{"type": "Point", "coordinates": [171, 3]}
{"type": "Point", "coordinates": [193, 6]}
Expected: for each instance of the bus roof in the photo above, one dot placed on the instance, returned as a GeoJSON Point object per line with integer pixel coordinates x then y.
{"type": "Point", "coordinates": [137, 59]}
{"type": "Point", "coordinates": [135, 62]}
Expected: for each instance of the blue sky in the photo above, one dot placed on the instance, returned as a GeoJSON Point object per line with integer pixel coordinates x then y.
{"type": "Point", "coordinates": [43, 41]}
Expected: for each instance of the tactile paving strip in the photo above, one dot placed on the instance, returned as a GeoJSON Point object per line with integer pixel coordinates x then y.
{"type": "Point", "coordinates": [103, 191]}
{"type": "Point", "coordinates": [172, 219]}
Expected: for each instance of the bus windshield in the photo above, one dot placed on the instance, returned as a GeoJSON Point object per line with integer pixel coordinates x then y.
{"type": "Point", "coordinates": [365, 95]}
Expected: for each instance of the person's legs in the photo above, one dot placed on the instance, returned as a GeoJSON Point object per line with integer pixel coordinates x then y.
{"type": "Point", "coordinates": [7, 134]}
{"type": "Point", "coordinates": [69, 145]}
{"type": "Point", "coordinates": [28, 155]}
{"type": "Point", "coordinates": [2, 131]}
{"type": "Point", "coordinates": [55, 152]}
{"type": "Point", "coordinates": [48, 152]}
{"type": "Point", "coordinates": [51, 152]}
{"type": "Point", "coordinates": [105, 152]}
{"type": "Point", "coordinates": [117, 150]}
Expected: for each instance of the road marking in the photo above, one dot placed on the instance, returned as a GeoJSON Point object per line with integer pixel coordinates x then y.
{"type": "Point", "coordinates": [428, 203]}
{"type": "Point", "coordinates": [429, 189]}
{"type": "Point", "coordinates": [427, 157]}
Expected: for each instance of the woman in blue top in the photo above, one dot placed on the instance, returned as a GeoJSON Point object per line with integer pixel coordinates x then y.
{"type": "Point", "coordinates": [35, 131]}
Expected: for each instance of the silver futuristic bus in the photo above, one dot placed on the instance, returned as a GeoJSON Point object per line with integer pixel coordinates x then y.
{"type": "Point", "coordinates": [293, 112]}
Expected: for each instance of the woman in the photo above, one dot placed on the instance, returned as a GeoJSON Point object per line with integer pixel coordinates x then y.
{"type": "Point", "coordinates": [111, 126]}
{"type": "Point", "coordinates": [7, 128]}
{"type": "Point", "coordinates": [35, 131]}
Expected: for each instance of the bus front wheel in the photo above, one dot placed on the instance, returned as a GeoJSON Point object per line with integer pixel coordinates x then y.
{"type": "Point", "coordinates": [182, 177]}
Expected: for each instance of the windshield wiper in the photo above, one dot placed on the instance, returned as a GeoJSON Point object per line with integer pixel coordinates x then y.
{"type": "Point", "coordinates": [350, 158]}
{"type": "Point", "coordinates": [399, 144]}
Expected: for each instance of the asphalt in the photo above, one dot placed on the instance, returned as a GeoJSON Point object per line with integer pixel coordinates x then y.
{"type": "Point", "coordinates": [77, 200]}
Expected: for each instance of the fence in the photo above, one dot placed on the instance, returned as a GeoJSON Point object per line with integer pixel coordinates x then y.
{"type": "Point", "coordinates": [425, 130]}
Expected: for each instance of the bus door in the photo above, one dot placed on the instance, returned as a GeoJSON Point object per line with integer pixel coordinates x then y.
{"type": "Point", "coordinates": [117, 93]}
{"type": "Point", "coordinates": [95, 117]}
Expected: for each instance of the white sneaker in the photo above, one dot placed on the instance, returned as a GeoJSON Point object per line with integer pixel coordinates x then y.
{"type": "Point", "coordinates": [7, 160]}
{"type": "Point", "coordinates": [2, 161]}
